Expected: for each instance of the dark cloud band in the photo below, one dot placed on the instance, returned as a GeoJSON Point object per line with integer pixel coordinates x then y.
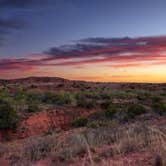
{"type": "Point", "coordinates": [126, 53]}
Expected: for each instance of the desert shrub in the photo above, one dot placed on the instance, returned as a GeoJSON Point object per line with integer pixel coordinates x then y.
{"type": "Point", "coordinates": [80, 122]}
{"type": "Point", "coordinates": [8, 116]}
{"type": "Point", "coordinates": [2, 101]}
{"type": "Point", "coordinates": [37, 148]}
{"type": "Point", "coordinates": [121, 94]}
{"type": "Point", "coordinates": [20, 95]}
{"type": "Point", "coordinates": [135, 109]}
{"type": "Point", "coordinates": [4, 92]}
{"type": "Point", "coordinates": [111, 111]}
{"type": "Point", "coordinates": [49, 98]}
{"type": "Point", "coordinates": [163, 93]}
{"type": "Point", "coordinates": [73, 146]}
{"type": "Point", "coordinates": [96, 124]}
{"type": "Point", "coordinates": [60, 85]}
{"type": "Point", "coordinates": [80, 97]}
{"type": "Point", "coordinates": [5, 96]}
{"type": "Point", "coordinates": [106, 95]}
{"type": "Point", "coordinates": [143, 95]}
{"type": "Point", "coordinates": [91, 103]}
{"type": "Point", "coordinates": [96, 94]}
{"type": "Point", "coordinates": [19, 98]}
{"type": "Point", "coordinates": [33, 86]}
{"type": "Point", "coordinates": [105, 104]}
{"type": "Point", "coordinates": [159, 108]}
{"type": "Point", "coordinates": [84, 101]}
{"type": "Point", "coordinates": [33, 107]}
{"type": "Point", "coordinates": [63, 98]}
{"type": "Point", "coordinates": [59, 98]}
{"type": "Point", "coordinates": [34, 96]}
{"type": "Point", "coordinates": [156, 99]}
{"type": "Point", "coordinates": [97, 115]}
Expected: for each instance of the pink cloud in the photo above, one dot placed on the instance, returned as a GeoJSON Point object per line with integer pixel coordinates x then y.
{"type": "Point", "coordinates": [119, 53]}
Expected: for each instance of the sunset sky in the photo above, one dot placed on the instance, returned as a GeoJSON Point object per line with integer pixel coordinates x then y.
{"type": "Point", "coordinates": [92, 40]}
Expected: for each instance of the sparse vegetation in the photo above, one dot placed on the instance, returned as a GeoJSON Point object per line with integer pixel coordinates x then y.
{"type": "Point", "coordinates": [111, 111]}
{"type": "Point", "coordinates": [111, 126]}
{"type": "Point", "coordinates": [100, 145]}
{"type": "Point", "coordinates": [135, 110]}
{"type": "Point", "coordinates": [80, 122]}
{"type": "Point", "coordinates": [8, 116]}
{"type": "Point", "coordinates": [33, 107]}
{"type": "Point", "coordinates": [59, 98]}
{"type": "Point", "coordinates": [96, 124]}
{"type": "Point", "coordinates": [159, 108]}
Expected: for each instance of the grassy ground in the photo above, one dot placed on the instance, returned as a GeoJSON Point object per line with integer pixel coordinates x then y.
{"type": "Point", "coordinates": [142, 142]}
{"type": "Point", "coordinates": [128, 127]}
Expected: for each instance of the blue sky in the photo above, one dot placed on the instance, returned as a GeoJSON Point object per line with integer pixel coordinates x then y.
{"type": "Point", "coordinates": [53, 23]}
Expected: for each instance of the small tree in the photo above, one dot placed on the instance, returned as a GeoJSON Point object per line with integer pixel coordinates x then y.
{"type": "Point", "coordinates": [134, 110]}
{"type": "Point", "coordinates": [8, 117]}
{"type": "Point", "coordinates": [111, 111]}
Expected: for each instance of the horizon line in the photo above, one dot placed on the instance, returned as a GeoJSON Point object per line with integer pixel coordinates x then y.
{"type": "Point", "coordinates": [118, 82]}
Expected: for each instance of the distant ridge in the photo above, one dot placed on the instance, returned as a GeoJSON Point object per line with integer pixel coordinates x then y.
{"type": "Point", "coordinates": [33, 80]}
{"type": "Point", "coordinates": [45, 79]}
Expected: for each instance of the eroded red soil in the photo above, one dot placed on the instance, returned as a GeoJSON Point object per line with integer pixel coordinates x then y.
{"type": "Point", "coordinates": [43, 122]}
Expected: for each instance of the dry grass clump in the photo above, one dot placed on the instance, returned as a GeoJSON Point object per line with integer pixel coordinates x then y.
{"type": "Point", "coordinates": [34, 149]}
{"type": "Point", "coordinates": [121, 141]}
{"type": "Point", "coordinates": [82, 147]}
{"type": "Point", "coordinates": [74, 145]}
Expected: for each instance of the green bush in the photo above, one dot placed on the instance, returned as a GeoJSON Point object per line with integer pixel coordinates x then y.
{"type": "Point", "coordinates": [111, 111]}
{"type": "Point", "coordinates": [49, 98]}
{"type": "Point", "coordinates": [106, 104]}
{"type": "Point", "coordinates": [97, 115]}
{"type": "Point", "coordinates": [4, 93]}
{"type": "Point", "coordinates": [96, 124]}
{"type": "Point", "coordinates": [84, 101]}
{"type": "Point", "coordinates": [156, 99]}
{"type": "Point", "coordinates": [33, 107]}
{"type": "Point", "coordinates": [81, 98]}
{"type": "Point", "coordinates": [20, 95]}
{"type": "Point", "coordinates": [159, 108]}
{"type": "Point", "coordinates": [34, 96]}
{"type": "Point", "coordinates": [141, 97]}
{"type": "Point", "coordinates": [8, 117]}
{"type": "Point", "coordinates": [80, 122]}
{"type": "Point", "coordinates": [58, 98]}
{"type": "Point", "coordinates": [5, 96]}
{"type": "Point", "coordinates": [64, 98]}
{"type": "Point", "coordinates": [135, 110]}
{"type": "Point", "coordinates": [2, 101]}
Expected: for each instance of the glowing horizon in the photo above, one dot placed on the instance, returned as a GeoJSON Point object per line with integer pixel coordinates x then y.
{"type": "Point", "coordinates": [96, 59]}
